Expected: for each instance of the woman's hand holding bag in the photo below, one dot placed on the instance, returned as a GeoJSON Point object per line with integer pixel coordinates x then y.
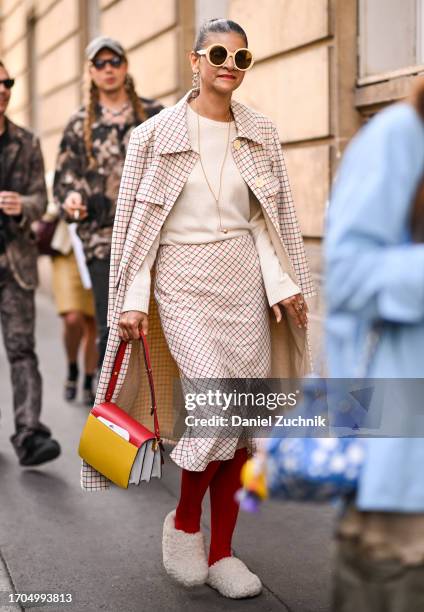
{"type": "Point", "coordinates": [131, 323]}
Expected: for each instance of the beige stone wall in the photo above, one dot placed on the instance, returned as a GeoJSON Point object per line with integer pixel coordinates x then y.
{"type": "Point", "coordinates": [157, 41]}
{"type": "Point", "coordinates": [44, 35]}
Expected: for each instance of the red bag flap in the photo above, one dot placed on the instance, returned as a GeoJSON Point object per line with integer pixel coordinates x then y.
{"type": "Point", "coordinates": [110, 411]}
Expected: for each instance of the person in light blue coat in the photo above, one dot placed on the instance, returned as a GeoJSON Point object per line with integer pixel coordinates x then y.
{"type": "Point", "coordinates": [374, 272]}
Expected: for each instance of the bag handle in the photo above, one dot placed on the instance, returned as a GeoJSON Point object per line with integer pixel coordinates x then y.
{"type": "Point", "coordinates": [117, 368]}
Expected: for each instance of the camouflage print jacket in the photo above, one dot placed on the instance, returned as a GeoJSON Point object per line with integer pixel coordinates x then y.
{"type": "Point", "coordinates": [22, 172]}
{"type": "Point", "coordinates": [99, 187]}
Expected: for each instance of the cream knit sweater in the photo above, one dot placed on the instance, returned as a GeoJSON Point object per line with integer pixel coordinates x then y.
{"type": "Point", "coordinates": [194, 217]}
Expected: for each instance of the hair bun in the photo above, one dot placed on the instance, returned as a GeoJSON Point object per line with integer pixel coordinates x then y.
{"type": "Point", "coordinates": [217, 25]}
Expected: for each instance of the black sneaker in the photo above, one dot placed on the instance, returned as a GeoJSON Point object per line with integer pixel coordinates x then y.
{"type": "Point", "coordinates": [70, 390]}
{"type": "Point", "coordinates": [39, 449]}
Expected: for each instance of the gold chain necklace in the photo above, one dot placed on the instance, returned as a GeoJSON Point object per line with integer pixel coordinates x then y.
{"type": "Point", "coordinates": [225, 231]}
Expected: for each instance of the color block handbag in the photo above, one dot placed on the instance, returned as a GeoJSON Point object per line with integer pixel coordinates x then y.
{"type": "Point", "coordinates": [116, 445]}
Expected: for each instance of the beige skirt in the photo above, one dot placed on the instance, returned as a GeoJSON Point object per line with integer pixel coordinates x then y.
{"type": "Point", "coordinates": [215, 318]}
{"type": "Point", "coordinates": [68, 291]}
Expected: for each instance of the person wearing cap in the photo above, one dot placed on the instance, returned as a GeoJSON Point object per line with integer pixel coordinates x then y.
{"type": "Point", "coordinates": [91, 158]}
{"type": "Point", "coordinates": [23, 199]}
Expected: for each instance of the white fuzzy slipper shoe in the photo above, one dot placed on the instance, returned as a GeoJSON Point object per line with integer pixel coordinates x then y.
{"type": "Point", "coordinates": [233, 579]}
{"type": "Point", "coordinates": [184, 554]}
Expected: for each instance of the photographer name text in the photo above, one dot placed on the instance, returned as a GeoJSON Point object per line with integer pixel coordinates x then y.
{"type": "Point", "coordinates": [272, 420]}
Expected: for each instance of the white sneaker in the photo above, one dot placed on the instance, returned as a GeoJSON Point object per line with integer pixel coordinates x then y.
{"type": "Point", "coordinates": [184, 554]}
{"type": "Point", "coordinates": [233, 579]}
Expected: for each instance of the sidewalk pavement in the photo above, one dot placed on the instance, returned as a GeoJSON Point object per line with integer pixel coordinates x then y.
{"type": "Point", "coordinates": [105, 548]}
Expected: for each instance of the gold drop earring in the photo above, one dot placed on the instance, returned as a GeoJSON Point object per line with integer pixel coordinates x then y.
{"type": "Point", "coordinates": [195, 81]}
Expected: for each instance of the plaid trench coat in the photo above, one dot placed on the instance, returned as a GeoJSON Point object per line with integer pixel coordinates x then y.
{"type": "Point", "coordinates": [158, 163]}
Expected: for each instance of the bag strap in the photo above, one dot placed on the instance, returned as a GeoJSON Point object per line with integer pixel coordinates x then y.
{"type": "Point", "coordinates": [117, 368]}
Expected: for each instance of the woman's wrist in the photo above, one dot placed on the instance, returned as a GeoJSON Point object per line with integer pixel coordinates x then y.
{"type": "Point", "coordinates": [138, 303]}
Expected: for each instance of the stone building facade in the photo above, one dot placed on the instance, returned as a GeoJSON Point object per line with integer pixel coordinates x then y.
{"type": "Point", "coordinates": [322, 66]}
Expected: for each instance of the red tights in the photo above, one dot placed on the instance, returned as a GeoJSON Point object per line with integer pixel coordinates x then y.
{"type": "Point", "coordinates": [223, 480]}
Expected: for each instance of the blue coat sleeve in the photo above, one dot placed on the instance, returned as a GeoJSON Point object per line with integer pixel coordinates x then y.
{"type": "Point", "coordinates": [372, 268]}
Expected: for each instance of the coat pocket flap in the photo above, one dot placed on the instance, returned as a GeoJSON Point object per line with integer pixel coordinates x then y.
{"type": "Point", "coordinates": [268, 184]}
{"type": "Point", "coordinates": [151, 193]}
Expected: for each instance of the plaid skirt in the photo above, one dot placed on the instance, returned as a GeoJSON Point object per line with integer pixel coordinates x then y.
{"type": "Point", "coordinates": [215, 318]}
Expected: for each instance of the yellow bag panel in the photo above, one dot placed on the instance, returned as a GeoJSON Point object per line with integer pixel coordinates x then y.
{"type": "Point", "coordinates": [107, 452]}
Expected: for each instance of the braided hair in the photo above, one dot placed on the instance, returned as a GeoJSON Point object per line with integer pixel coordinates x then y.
{"type": "Point", "coordinates": [92, 100]}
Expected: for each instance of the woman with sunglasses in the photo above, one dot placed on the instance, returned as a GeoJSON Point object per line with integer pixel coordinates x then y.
{"type": "Point", "coordinates": [205, 196]}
